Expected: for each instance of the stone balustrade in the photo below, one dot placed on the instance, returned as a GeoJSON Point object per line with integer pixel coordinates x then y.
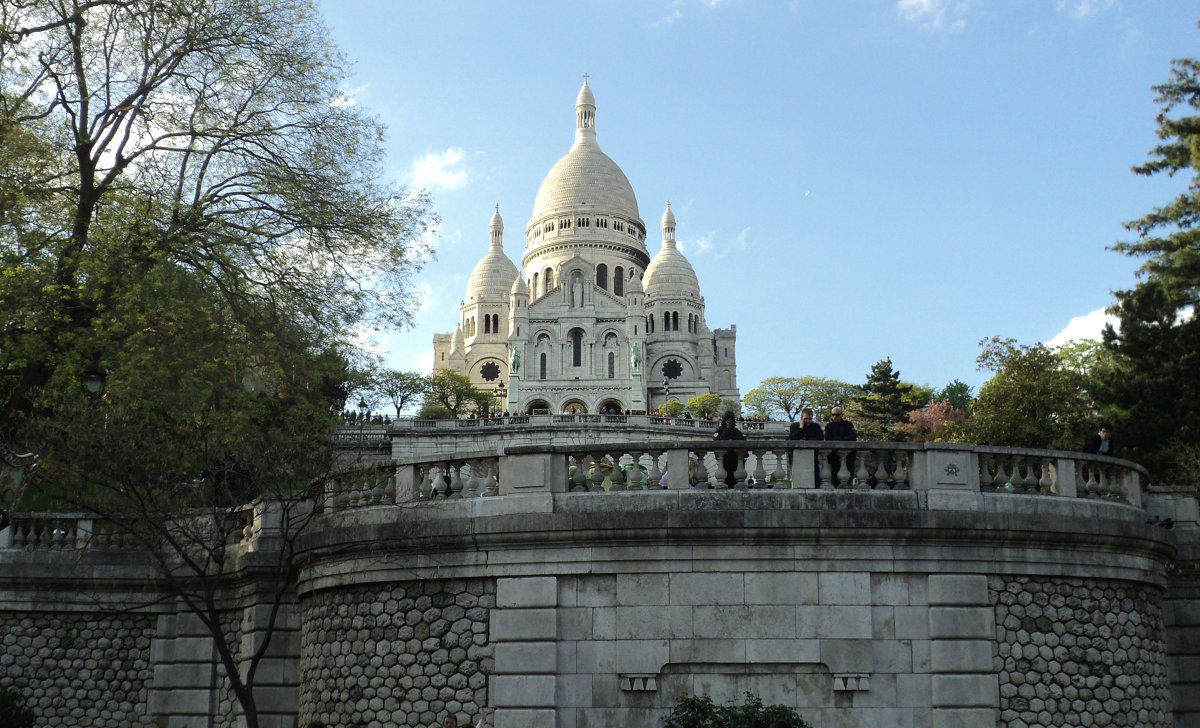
{"type": "Point", "coordinates": [756, 464]}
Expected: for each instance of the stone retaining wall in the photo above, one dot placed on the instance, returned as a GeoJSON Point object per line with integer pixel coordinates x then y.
{"type": "Point", "coordinates": [77, 669]}
{"type": "Point", "coordinates": [403, 654]}
{"type": "Point", "coordinates": [1071, 650]}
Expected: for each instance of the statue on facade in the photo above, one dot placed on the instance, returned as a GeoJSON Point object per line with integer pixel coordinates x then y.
{"type": "Point", "coordinates": [576, 292]}
{"type": "Point", "coordinates": [514, 360]}
{"type": "Point", "coordinates": [635, 358]}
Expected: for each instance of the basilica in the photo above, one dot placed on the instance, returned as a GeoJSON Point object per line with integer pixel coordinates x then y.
{"type": "Point", "coordinates": [590, 323]}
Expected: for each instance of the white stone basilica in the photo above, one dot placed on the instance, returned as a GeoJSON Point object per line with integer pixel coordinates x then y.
{"type": "Point", "coordinates": [594, 324]}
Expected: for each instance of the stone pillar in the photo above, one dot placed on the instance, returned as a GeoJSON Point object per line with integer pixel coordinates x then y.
{"type": "Point", "coordinates": [962, 631]}
{"type": "Point", "coordinates": [276, 684]}
{"type": "Point", "coordinates": [184, 691]}
{"type": "Point", "coordinates": [524, 630]}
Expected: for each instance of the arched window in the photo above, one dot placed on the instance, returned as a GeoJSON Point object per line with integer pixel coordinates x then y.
{"type": "Point", "coordinates": [602, 276]}
{"type": "Point", "coordinates": [487, 324]}
{"type": "Point", "coordinates": [619, 281]}
{"type": "Point", "coordinates": [547, 280]}
{"type": "Point", "coordinates": [495, 323]}
{"type": "Point", "coordinates": [541, 366]}
{"type": "Point", "coordinates": [675, 321]}
{"type": "Point", "coordinates": [534, 287]}
{"type": "Point", "coordinates": [650, 324]}
{"type": "Point", "coordinates": [612, 365]}
{"type": "Point", "coordinates": [577, 348]}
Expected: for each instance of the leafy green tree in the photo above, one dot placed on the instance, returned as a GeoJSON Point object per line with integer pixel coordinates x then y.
{"type": "Point", "coordinates": [787, 396]}
{"type": "Point", "coordinates": [209, 135]}
{"type": "Point", "coordinates": [732, 405]}
{"type": "Point", "coordinates": [1153, 395]}
{"type": "Point", "coordinates": [705, 405]}
{"type": "Point", "coordinates": [701, 712]}
{"type": "Point", "coordinates": [401, 389]}
{"type": "Point", "coordinates": [672, 408]}
{"type": "Point", "coordinates": [883, 404]}
{"type": "Point", "coordinates": [1032, 400]}
{"type": "Point", "coordinates": [918, 394]}
{"type": "Point", "coordinates": [957, 394]}
{"type": "Point", "coordinates": [456, 393]}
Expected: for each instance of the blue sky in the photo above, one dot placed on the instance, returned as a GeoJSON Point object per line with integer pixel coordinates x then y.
{"type": "Point", "coordinates": [851, 180]}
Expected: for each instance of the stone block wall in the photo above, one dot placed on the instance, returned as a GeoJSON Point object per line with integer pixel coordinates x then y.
{"type": "Point", "coordinates": [402, 654]}
{"type": "Point", "coordinates": [1071, 650]}
{"type": "Point", "coordinates": [79, 669]}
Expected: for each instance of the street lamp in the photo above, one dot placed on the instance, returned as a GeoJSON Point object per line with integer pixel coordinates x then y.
{"type": "Point", "coordinates": [93, 380]}
{"type": "Point", "coordinates": [501, 396]}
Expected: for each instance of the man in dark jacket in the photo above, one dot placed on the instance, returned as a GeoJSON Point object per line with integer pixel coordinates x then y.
{"type": "Point", "coordinates": [805, 429]}
{"type": "Point", "coordinates": [730, 460]}
{"type": "Point", "coordinates": [841, 430]}
{"type": "Point", "coordinates": [1101, 443]}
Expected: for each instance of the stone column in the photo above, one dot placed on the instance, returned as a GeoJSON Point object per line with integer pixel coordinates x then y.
{"type": "Point", "coordinates": [962, 632]}
{"type": "Point", "coordinates": [524, 630]}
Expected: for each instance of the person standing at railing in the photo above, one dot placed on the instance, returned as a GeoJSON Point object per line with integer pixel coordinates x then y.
{"type": "Point", "coordinates": [1101, 443]}
{"type": "Point", "coordinates": [730, 460]}
{"type": "Point", "coordinates": [840, 429]}
{"type": "Point", "coordinates": [805, 429]}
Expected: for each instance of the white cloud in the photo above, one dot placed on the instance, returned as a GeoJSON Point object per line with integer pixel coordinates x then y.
{"type": "Point", "coordinates": [742, 236]}
{"type": "Point", "coordinates": [935, 14]}
{"type": "Point", "coordinates": [422, 362]}
{"type": "Point", "coordinates": [703, 243]}
{"type": "Point", "coordinates": [442, 170]}
{"type": "Point", "coordinates": [1087, 326]}
{"type": "Point", "coordinates": [668, 19]}
{"type": "Point", "coordinates": [1083, 9]}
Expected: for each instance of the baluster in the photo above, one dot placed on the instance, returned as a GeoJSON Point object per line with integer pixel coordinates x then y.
{"type": "Point", "coordinates": [1093, 481]}
{"type": "Point", "coordinates": [1030, 483]}
{"type": "Point", "coordinates": [860, 471]}
{"type": "Point", "coordinates": [377, 490]}
{"type": "Point", "coordinates": [985, 475]}
{"type": "Point", "coordinates": [456, 483]}
{"type": "Point", "coordinates": [1003, 479]}
{"type": "Point", "coordinates": [739, 470]}
{"type": "Point", "coordinates": [635, 471]}
{"type": "Point", "coordinates": [389, 490]}
{"type": "Point", "coordinates": [472, 480]}
{"type": "Point", "coordinates": [597, 473]}
{"type": "Point", "coordinates": [579, 477]}
{"type": "Point", "coordinates": [20, 534]}
{"type": "Point", "coordinates": [823, 468]}
{"type": "Point", "coordinates": [881, 473]}
{"type": "Point", "coordinates": [779, 475]}
{"type": "Point", "coordinates": [655, 478]}
{"type": "Point", "coordinates": [425, 483]}
{"type": "Point", "coordinates": [618, 474]}
{"type": "Point", "coordinates": [1107, 487]}
{"type": "Point", "coordinates": [701, 471]}
{"type": "Point", "coordinates": [491, 485]}
{"type": "Point", "coordinates": [760, 471]}
{"type": "Point", "coordinates": [718, 481]}
{"type": "Point", "coordinates": [341, 497]}
{"type": "Point", "coordinates": [1046, 482]}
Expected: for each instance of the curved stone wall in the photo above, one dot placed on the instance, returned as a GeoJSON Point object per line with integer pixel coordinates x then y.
{"type": "Point", "coordinates": [1068, 648]}
{"type": "Point", "coordinates": [79, 669]}
{"type": "Point", "coordinates": [402, 654]}
{"type": "Point", "coordinates": [880, 608]}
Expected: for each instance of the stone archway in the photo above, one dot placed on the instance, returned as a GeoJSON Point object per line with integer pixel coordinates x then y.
{"type": "Point", "coordinates": [574, 407]}
{"type": "Point", "coordinates": [610, 406]}
{"type": "Point", "coordinates": [538, 407]}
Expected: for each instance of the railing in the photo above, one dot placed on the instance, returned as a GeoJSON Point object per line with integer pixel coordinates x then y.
{"type": "Point", "coordinates": [616, 468]}
{"type": "Point", "coordinates": [349, 434]}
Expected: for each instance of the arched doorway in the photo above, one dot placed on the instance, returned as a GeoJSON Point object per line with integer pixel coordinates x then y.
{"type": "Point", "coordinates": [574, 407]}
{"type": "Point", "coordinates": [610, 407]}
{"type": "Point", "coordinates": [538, 407]}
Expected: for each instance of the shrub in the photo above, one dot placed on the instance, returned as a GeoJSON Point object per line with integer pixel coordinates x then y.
{"type": "Point", "coordinates": [702, 712]}
{"type": "Point", "coordinates": [13, 713]}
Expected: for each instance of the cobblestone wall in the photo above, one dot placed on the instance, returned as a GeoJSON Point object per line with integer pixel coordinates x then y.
{"type": "Point", "coordinates": [76, 669]}
{"type": "Point", "coordinates": [1070, 650]}
{"type": "Point", "coordinates": [403, 655]}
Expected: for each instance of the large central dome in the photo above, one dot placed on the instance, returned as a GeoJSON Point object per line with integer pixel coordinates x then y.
{"type": "Point", "coordinates": [585, 180]}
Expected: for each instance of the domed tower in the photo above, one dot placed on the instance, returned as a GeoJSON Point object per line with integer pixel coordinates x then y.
{"type": "Point", "coordinates": [684, 356]}
{"type": "Point", "coordinates": [584, 207]}
{"type": "Point", "coordinates": [484, 316]}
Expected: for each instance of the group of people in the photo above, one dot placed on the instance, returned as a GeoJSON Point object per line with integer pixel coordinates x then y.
{"type": "Point", "coordinates": [839, 428]}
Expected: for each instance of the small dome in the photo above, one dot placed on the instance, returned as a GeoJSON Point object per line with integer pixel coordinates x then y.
{"type": "Point", "coordinates": [668, 217]}
{"type": "Point", "coordinates": [519, 287]}
{"type": "Point", "coordinates": [585, 97]}
{"type": "Point", "coordinates": [671, 275]}
{"type": "Point", "coordinates": [492, 278]}
{"type": "Point", "coordinates": [635, 285]}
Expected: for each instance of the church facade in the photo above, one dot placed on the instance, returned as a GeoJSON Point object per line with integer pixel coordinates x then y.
{"type": "Point", "coordinates": [590, 323]}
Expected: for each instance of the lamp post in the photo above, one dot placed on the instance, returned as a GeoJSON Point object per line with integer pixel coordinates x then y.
{"type": "Point", "coordinates": [362, 417]}
{"type": "Point", "coordinates": [501, 396]}
{"type": "Point", "coordinates": [666, 394]}
{"type": "Point", "coordinates": [93, 379]}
